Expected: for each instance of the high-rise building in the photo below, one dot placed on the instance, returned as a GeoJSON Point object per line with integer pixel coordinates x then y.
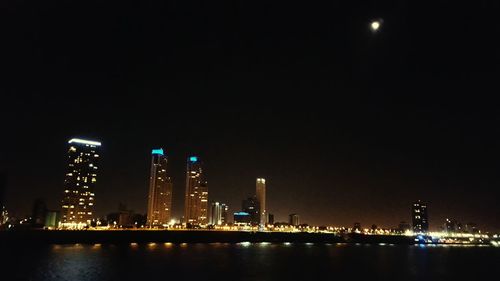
{"type": "Point", "coordinates": [294, 219]}
{"type": "Point", "coordinates": [251, 206]}
{"type": "Point", "coordinates": [51, 219]}
{"type": "Point", "coordinates": [270, 218]}
{"type": "Point", "coordinates": [79, 184]}
{"type": "Point", "coordinates": [160, 191]}
{"type": "Point", "coordinates": [218, 213]}
{"type": "Point", "coordinates": [225, 218]}
{"type": "Point", "coordinates": [260, 191]}
{"type": "Point", "coordinates": [452, 226]}
{"type": "Point", "coordinates": [39, 213]}
{"type": "Point", "coordinates": [196, 197]}
{"type": "Point", "coordinates": [203, 218]}
{"type": "Point", "coordinates": [419, 217]}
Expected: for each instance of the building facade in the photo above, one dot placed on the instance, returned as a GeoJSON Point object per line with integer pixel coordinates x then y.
{"type": "Point", "coordinates": [160, 191]}
{"type": "Point", "coordinates": [270, 218]}
{"type": "Point", "coordinates": [260, 191]}
{"type": "Point", "coordinates": [218, 213]}
{"type": "Point", "coordinates": [196, 196]}
{"type": "Point", "coordinates": [293, 219]}
{"type": "Point", "coordinates": [251, 206]}
{"type": "Point", "coordinates": [242, 218]}
{"type": "Point", "coordinates": [419, 217]}
{"type": "Point", "coordinates": [79, 184]}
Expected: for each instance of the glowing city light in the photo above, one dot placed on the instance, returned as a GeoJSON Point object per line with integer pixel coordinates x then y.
{"type": "Point", "coordinates": [82, 141]}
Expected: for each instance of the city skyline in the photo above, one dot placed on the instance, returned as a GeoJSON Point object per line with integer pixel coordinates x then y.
{"type": "Point", "coordinates": [194, 165]}
{"type": "Point", "coordinates": [250, 140]}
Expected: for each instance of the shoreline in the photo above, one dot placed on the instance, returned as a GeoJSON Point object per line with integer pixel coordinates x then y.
{"type": "Point", "coordinates": [40, 237]}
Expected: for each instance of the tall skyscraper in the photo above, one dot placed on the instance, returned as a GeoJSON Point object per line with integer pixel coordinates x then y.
{"type": "Point", "coordinates": [79, 184]}
{"type": "Point", "coordinates": [160, 190]}
{"type": "Point", "coordinates": [218, 213]}
{"type": "Point", "coordinates": [419, 216]}
{"type": "Point", "coordinates": [261, 197]}
{"type": "Point", "coordinates": [196, 198]}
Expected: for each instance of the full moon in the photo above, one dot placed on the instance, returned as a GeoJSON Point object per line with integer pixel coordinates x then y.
{"type": "Point", "coordinates": [375, 25]}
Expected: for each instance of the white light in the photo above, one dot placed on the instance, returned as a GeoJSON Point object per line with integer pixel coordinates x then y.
{"type": "Point", "coordinates": [84, 142]}
{"type": "Point", "coordinates": [375, 25]}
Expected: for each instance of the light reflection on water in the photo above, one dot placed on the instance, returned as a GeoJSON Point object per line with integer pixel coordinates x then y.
{"type": "Point", "coordinates": [250, 261]}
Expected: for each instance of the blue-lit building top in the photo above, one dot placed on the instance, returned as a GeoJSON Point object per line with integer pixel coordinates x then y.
{"type": "Point", "coordinates": [158, 151]}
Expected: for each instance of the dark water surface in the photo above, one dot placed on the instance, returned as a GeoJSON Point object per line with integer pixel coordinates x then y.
{"type": "Point", "coordinates": [250, 261]}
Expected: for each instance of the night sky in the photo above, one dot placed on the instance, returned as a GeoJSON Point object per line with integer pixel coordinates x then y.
{"type": "Point", "coordinates": [346, 125]}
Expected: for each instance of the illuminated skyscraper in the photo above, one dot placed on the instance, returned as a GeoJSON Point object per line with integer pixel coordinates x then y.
{"type": "Point", "coordinates": [419, 216]}
{"type": "Point", "coordinates": [261, 197]}
{"type": "Point", "coordinates": [160, 191]}
{"type": "Point", "coordinates": [218, 213]}
{"type": "Point", "coordinates": [196, 200]}
{"type": "Point", "coordinates": [79, 184]}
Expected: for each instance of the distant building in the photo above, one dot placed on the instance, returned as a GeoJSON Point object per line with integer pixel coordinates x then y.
{"type": "Point", "coordinates": [79, 184]}
{"type": "Point", "coordinates": [224, 217]}
{"type": "Point", "coordinates": [242, 217]}
{"type": "Point", "coordinates": [52, 218]}
{"type": "Point", "coordinates": [420, 218]}
{"type": "Point", "coordinates": [293, 219]}
{"type": "Point", "coordinates": [39, 213]}
{"type": "Point", "coordinates": [160, 191]}
{"type": "Point", "coordinates": [126, 218]}
{"type": "Point", "coordinates": [196, 196]}
{"type": "Point", "coordinates": [452, 226]}
{"type": "Point", "coordinates": [471, 228]}
{"type": "Point", "coordinates": [260, 191]}
{"type": "Point", "coordinates": [218, 213]}
{"type": "Point", "coordinates": [252, 207]}
{"type": "Point", "coordinates": [270, 218]}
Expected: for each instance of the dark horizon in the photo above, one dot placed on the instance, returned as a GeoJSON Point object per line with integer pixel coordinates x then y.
{"type": "Point", "coordinates": [346, 125]}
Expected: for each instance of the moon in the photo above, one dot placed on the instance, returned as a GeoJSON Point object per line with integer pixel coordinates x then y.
{"type": "Point", "coordinates": [375, 25]}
